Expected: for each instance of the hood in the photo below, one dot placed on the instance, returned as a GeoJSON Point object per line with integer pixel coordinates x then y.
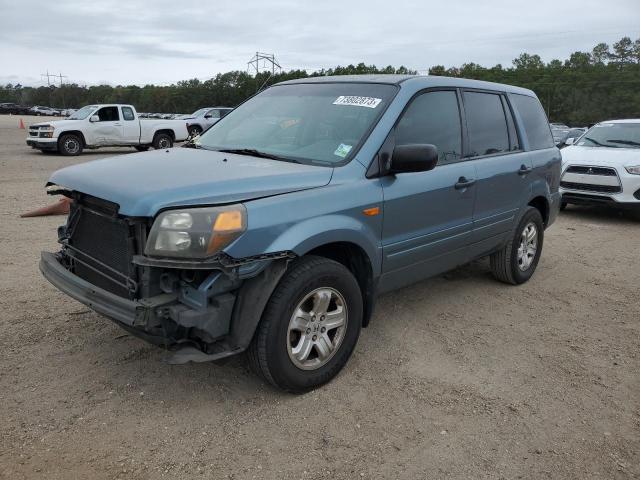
{"type": "Point", "coordinates": [58, 124]}
{"type": "Point", "coordinates": [143, 183]}
{"type": "Point", "coordinates": [614, 157]}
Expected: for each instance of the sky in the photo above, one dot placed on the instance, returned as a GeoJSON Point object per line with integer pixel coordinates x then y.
{"type": "Point", "coordinates": [165, 41]}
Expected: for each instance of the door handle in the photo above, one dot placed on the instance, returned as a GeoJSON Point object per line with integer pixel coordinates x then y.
{"type": "Point", "coordinates": [524, 170]}
{"type": "Point", "coordinates": [463, 182]}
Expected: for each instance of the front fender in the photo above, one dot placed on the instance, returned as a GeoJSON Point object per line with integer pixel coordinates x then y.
{"type": "Point", "coordinates": [315, 232]}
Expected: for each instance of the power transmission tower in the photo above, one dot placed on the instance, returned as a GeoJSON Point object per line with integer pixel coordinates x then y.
{"type": "Point", "coordinates": [48, 75]}
{"type": "Point", "coordinates": [269, 63]}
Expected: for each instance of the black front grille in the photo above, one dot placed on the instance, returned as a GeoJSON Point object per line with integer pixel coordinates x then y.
{"type": "Point", "coordinates": [102, 247]}
{"type": "Point", "coordinates": [604, 171]}
{"type": "Point", "coordinates": [588, 187]}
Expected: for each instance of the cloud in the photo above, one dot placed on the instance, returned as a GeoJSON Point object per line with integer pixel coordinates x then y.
{"type": "Point", "coordinates": [161, 41]}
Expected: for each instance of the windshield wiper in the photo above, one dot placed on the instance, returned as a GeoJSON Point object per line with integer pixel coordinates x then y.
{"type": "Point", "coordinates": [256, 153]}
{"type": "Point", "coordinates": [594, 141]}
{"type": "Point", "coordinates": [625, 142]}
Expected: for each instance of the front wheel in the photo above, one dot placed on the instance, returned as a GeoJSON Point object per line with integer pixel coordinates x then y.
{"type": "Point", "coordinates": [309, 327]}
{"type": "Point", "coordinates": [162, 140]}
{"type": "Point", "coordinates": [516, 262]}
{"type": "Point", "coordinates": [194, 131]}
{"type": "Point", "coordinates": [70, 145]}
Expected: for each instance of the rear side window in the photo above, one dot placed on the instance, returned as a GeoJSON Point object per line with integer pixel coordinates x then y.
{"type": "Point", "coordinates": [486, 124]}
{"type": "Point", "coordinates": [433, 118]}
{"type": "Point", "coordinates": [534, 121]}
{"type": "Point", "coordinates": [127, 113]}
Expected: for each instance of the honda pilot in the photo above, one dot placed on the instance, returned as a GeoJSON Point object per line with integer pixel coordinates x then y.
{"type": "Point", "coordinates": [275, 231]}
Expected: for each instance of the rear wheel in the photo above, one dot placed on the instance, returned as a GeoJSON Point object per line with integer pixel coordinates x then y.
{"type": "Point", "coordinates": [162, 140]}
{"type": "Point", "coordinates": [70, 145]}
{"type": "Point", "coordinates": [309, 327]}
{"type": "Point", "coordinates": [516, 262]}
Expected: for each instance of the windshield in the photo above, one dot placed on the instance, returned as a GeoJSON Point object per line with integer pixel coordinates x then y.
{"type": "Point", "coordinates": [321, 123]}
{"type": "Point", "coordinates": [615, 135]}
{"type": "Point", "coordinates": [83, 113]}
{"type": "Point", "coordinates": [202, 111]}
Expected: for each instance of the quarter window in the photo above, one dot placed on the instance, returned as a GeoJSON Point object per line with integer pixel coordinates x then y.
{"type": "Point", "coordinates": [534, 121]}
{"type": "Point", "coordinates": [127, 113]}
{"type": "Point", "coordinates": [486, 124]}
{"type": "Point", "coordinates": [433, 118]}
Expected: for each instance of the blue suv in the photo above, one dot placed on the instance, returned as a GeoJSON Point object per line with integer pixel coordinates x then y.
{"type": "Point", "coordinates": [275, 231]}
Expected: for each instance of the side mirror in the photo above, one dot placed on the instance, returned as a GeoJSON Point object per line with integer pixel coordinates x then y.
{"type": "Point", "coordinates": [208, 115]}
{"type": "Point", "coordinates": [413, 158]}
{"type": "Point", "coordinates": [94, 118]}
{"type": "Point", "coordinates": [569, 141]}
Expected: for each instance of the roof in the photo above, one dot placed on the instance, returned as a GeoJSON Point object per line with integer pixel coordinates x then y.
{"type": "Point", "coordinates": [624, 120]}
{"type": "Point", "coordinates": [419, 81]}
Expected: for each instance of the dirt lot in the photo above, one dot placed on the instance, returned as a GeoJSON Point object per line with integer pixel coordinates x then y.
{"type": "Point", "coordinates": [457, 377]}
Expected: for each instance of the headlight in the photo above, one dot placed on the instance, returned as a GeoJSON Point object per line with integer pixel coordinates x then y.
{"type": "Point", "coordinates": [635, 170]}
{"type": "Point", "coordinates": [195, 232]}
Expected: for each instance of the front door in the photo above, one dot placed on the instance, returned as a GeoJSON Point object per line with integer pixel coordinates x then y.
{"type": "Point", "coordinates": [108, 130]}
{"type": "Point", "coordinates": [428, 215]}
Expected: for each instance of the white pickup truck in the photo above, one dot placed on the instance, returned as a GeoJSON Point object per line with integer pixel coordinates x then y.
{"type": "Point", "coordinates": [111, 125]}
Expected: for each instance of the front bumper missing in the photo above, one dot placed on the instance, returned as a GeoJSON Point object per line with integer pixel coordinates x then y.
{"type": "Point", "coordinates": [139, 317]}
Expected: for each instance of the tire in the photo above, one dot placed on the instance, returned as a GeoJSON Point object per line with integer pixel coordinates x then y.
{"type": "Point", "coordinates": [194, 131]}
{"type": "Point", "coordinates": [70, 145]}
{"type": "Point", "coordinates": [162, 140]}
{"type": "Point", "coordinates": [506, 264]}
{"type": "Point", "coordinates": [142, 148]}
{"type": "Point", "coordinates": [563, 205]}
{"type": "Point", "coordinates": [307, 282]}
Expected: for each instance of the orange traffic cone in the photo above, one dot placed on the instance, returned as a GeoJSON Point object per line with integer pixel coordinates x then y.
{"type": "Point", "coordinates": [59, 208]}
{"type": "Point", "coordinates": [21, 124]}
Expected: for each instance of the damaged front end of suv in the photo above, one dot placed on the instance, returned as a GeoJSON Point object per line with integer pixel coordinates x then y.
{"type": "Point", "coordinates": [165, 280]}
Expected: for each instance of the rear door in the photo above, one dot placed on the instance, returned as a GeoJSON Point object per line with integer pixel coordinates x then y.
{"type": "Point", "coordinates": [428, 215]}
{"type": "Point", "coordinates": [108, 130]}
{"type": "Point", "coordinates": [130, 126]}
{"type": "Point", "coordinates": [502, 168]}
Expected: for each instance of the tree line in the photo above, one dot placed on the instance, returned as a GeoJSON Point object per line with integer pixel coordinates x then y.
{"type": "Point", "coordinates": [585, 88]}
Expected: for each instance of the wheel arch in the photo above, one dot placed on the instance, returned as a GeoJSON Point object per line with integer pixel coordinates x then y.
{"type": "Point", "coordinates": [356, 260]}
{"type": "Point", "coordinates": [167, 131]}
{"type": "Point", "coordinates": [542, 204]}
{"type": "Point", "coordinates": [73, 132]}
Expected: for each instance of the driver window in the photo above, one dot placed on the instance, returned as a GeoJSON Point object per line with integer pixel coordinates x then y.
{"type": "Point", "coordinates": [213, 114]}
{"type": "Point", "coordinates": [108, 114]}
{"type": "Point", "coordinates": [433, 118]}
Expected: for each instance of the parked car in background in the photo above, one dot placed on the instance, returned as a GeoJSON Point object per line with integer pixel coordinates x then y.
{"type": "Point", "coordinates": [573, 134]}
{"type": "Point", "coordinates": [14, 109]}
{"type": "Point", "coordinates": [603, 167]}
{"type": "Point", "coordinates": [560, 126]}
{"type": "Point", "coordinates": [202, 119]}
{"type": "Point", "coordinates": [281, 224]}
{"type": "Point", "coordinates": [38, 110]}
{"type": "Point", "coordinates": [97, 126]}
{"type": "Point", "coordinates": [559, 135]}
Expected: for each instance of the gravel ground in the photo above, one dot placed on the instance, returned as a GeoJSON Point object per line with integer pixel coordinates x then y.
{"type": "Point", "coordinates": [457, 377]}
